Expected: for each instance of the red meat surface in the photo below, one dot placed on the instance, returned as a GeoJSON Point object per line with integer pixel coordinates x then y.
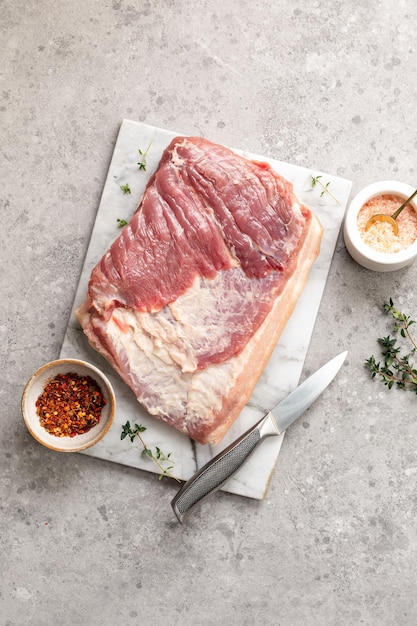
{"type": "Point", "coordinates": [192, 277]}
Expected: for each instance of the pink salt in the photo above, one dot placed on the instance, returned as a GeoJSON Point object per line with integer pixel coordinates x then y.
{"type": "Point", "coordinates": [380, 236]}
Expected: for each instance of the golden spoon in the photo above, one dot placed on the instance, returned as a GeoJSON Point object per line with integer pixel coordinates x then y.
{"type": "Point", "coordinates": [382, 217]}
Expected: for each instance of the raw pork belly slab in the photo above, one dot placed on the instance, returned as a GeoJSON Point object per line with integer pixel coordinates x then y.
{"type": "Point", "coordinates": [189, 301]}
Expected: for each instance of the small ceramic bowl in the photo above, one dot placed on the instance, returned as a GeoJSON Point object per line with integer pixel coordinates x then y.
{"type": "Point", "coordinates": [35, 387]}
{"type": "Point", "coordinates": [360, 251]}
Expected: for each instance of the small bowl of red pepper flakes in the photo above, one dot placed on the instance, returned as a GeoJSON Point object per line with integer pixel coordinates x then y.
{"type": "Point", "coordinates": [68, 405]}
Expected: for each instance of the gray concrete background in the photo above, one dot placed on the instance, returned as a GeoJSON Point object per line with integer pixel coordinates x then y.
{"type": "Point", "coordinates": [327, 85]}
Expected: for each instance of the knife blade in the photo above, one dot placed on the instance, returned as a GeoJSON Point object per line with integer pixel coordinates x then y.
{"type": "Point", "coordinates": [218, 470]}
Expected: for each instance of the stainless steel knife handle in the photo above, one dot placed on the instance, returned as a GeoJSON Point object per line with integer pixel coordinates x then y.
{"type": "Point", "coordinates": [222, 467]}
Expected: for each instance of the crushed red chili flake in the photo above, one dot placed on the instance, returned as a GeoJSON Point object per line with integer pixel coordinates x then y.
{"type": "Point", "coordinates": [70, 405]}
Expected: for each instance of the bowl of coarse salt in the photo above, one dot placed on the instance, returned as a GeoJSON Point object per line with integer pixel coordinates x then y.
{"type": "Point", "coordinates": [372, 237]}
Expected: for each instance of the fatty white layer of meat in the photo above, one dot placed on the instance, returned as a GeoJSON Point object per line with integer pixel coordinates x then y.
{"type": "Point", "coordinates": [161, 349]}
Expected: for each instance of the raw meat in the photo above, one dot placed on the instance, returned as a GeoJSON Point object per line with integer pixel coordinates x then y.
{"type": "Point", "coordinates": [189, 301]}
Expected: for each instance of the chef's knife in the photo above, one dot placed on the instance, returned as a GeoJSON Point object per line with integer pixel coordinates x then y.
{"type": "Point", "coordinates": [223, 466]}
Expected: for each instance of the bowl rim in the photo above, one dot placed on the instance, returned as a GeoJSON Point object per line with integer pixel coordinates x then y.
{"type": "Point", "coordinates": [350, 226]}
{"type": "Point", "coordinates": [88, 438]}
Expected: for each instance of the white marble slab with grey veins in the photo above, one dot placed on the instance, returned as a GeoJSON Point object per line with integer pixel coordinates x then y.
{"type": "Point", "coordinates": [285, 366]}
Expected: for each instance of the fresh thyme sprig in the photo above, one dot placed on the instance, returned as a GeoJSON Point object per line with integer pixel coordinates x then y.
{"type": "Point", "coordinates": [402, 324]}
{"type": "Point", "coordinates": [142, 162]}
{"type": "Point", "coordinates": [158, 457]}
{"type": "Point", "coordinates": [396, 369]}
{"type": "Point", "coordinates": [315, 180]}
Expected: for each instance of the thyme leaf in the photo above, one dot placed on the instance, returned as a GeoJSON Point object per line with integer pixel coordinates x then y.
{"type": "Point", "coordinates": [142, 162]}
{"type": "Point", "coordinates": [158, 457]}
{"type": "Point", "coordinates": [397, 367]}
{"type": "Point", "coordinates": [121, 223]}
{"type": "Point", "coordinates": [315, 180]}
{"type": "Point", "coordinates": [126, 189]}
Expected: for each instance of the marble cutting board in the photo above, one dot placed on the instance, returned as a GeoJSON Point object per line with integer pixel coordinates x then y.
{"type": "Point", "coordinates": [285, 366]}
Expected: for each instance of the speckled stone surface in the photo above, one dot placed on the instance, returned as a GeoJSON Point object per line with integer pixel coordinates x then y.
{"type": "Point", "coordinates": [326, 85]}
